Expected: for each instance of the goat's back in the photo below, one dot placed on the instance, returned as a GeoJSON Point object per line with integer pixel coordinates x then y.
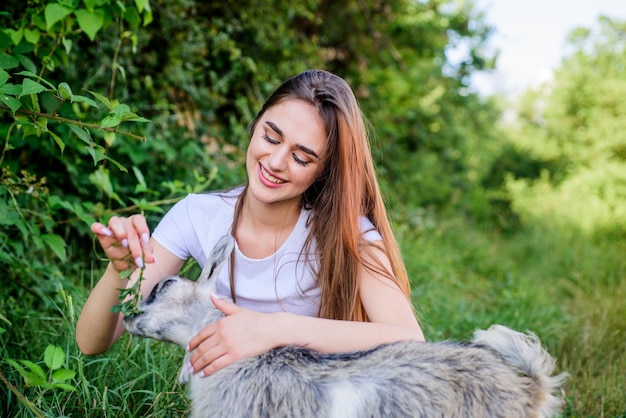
{"type": "Point", "coordinates": [409, 379]}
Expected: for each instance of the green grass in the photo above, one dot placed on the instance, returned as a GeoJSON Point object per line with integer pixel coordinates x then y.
{"type": "Point", "coordinates": [567, 287]}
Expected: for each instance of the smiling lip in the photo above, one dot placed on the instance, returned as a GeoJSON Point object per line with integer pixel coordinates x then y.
{"type": "Point", "coordinates": [268, 179]}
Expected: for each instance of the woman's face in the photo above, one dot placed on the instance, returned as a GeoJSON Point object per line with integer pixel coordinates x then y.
{"type": "Point", "coordinates": [286, 153]}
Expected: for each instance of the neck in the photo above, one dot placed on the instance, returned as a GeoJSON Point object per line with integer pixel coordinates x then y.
{"type": "Point", "coordinates": [276, 217]}
{"type": "Point", "coordinates": [263, 228]}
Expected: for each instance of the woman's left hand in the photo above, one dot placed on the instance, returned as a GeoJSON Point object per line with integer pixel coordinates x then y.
{"type": "Point", "coordinates": [242, 333]}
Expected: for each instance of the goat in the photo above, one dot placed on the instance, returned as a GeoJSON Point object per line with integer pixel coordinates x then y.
{"type": "Point", "coordinates": [501, 373]}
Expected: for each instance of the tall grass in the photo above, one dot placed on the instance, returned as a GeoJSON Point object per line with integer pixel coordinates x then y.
{"type": "Point", "coordinates": [136, 378]}
{"type": "Point", "coordinates": [566, 286]}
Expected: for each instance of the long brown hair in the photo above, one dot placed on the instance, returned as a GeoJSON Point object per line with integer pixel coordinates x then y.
{"type": "Point", "coordinates": [346, 190]}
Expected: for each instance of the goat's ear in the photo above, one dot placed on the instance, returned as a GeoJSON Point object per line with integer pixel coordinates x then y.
{"type": "Point", "coordinates": [218, 257]}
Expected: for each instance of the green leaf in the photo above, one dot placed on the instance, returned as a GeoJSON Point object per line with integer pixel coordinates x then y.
{"type": "Point", "coordinates": [55, 12]}
{"type": "Point", "coordinates": [141, 4]}
{"type": "Point", "coordinates": [90, 21]}
{"type": "Point", "coordinates": [132, 17]}
{"type": "Point", "coordinates": [90, 4]}
{"type": "Point", "coordinates": [121, 109]}
{"type": "Point", "coordinates": [38, 78]}
{"type": "Point", "coordinates": [5, 41]}
{"type": "Point", "coordinates": [111, 120]}
{"type": "Point", "coordinates": [35, 368]}
{"type": "Point", "coordinates": [30, 102]}
{"type": "Point", "coordinates": [66, 387]}
{"type": "Point", "coordinates": [65, 91]}
{"type": "Point", "coordinates": [16, 366]}
{"type": "Point", "coordinates": [54, 357]}
{"type": "Point", "coordinates": [12, 102]}
{"type": "Point", "coordinates": [97, 153]}
{"type": "Point", "coordinates": [83, 213]}
{"type": "Point", "coordinates": [56, 244]}
{"type": "Point", "coordinates": [32, 36]}
{"type": "Point", "coordinates": [31, 87]}
{"type": "Point", "coordinates": [117, 164]}
{"type": "Point", "coordinates": [83, 99]}
{"type": "Point", "coordinates": [58, 140]}
{"type": "Point", "coordinates": [24, 48]}
{"type": "Point", "coordinates": [10, 88]}
{"type": "Point", "coordinates": [27, 63]}
{"type": "Point", "coordinates": [16, 35]}
{"type": "Point", "coordinates": [31, 378]}
{"type": "Point", "coordinates": [135, 118]}
{"type": "Point", "coordinates": [30, 129]}
{"type": "Point", "coordinates": [140, 178]}
{"type": "Point", "coordinates": [4, 77]}
{"type": "Point", "coordinates": [82, 134]}
{"type": "Point", "coordinates": [69, 3]}
{"type": "Point", "coordinates": [8, 61]}
{"type": "Point", "coordinates": [101, 180]}
{"type": "Point", "coordinates": [102, 99]}
{"type": "Point", "coordinates": [62, 374]}
{"type": "Point", "coordinates": [67, 44]}
{"type": "Point", "coordinates": [147, 14]}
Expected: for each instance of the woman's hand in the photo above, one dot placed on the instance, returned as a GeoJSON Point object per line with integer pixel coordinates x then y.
{"type": "Point", "coordinates": [242, 333]}
{"type": "Point", "coordinates": [125, 241]}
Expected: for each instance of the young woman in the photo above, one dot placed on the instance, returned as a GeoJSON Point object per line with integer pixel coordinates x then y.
{"type": "Point", "coordinates": [315, 264]}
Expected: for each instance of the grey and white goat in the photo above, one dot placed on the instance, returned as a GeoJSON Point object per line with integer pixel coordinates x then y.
{"type": "Point", "coordinates": [501, 373]}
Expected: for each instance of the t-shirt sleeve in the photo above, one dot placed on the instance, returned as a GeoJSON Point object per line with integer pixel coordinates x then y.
{"type": "Point", "coordinates": [175, 231]}
{"type": "Point", "coordinates": [370, 233]}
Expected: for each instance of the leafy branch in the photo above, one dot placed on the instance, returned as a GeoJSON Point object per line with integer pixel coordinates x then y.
{"type": "Point", "coordinates": [129, 297]}
{"type": "Point", "coordinates": [78, 123]}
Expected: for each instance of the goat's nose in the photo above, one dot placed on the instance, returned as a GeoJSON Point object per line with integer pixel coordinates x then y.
{"type": "Point", "coordinates": [131, 315]}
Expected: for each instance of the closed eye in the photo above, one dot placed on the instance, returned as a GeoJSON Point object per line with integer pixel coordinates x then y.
{"type": "Point", "coordinates": [167, 283]}
{"type": "Point", "coordinates": [297, 159]}
{"type": "Point", "coordinates": [270, 139]}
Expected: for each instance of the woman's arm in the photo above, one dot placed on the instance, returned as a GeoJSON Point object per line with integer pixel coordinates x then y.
{"type": "Point", "coordinates": [97, 327]}
{"type": "Point", "coordinates": [244, 333]}
{"type": "Point", "coordinates": [390, 313]}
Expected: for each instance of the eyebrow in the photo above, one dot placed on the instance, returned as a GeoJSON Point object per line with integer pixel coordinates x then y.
{"type": "Point", "coordinates": [279, 131]}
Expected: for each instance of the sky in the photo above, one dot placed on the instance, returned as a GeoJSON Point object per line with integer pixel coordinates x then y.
{"type": "Point", "coordinates": [531, 34]}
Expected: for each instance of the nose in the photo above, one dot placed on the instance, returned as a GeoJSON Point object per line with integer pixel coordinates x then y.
{"type": "Point", "coordinates": [277, 160]}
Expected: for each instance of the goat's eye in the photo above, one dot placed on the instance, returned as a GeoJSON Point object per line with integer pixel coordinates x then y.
{"type": "Point", "coordinates": [167, 283]}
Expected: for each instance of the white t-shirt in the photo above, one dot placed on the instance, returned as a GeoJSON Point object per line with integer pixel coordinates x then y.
{"type": "Point", "coordinates": [284, 281]}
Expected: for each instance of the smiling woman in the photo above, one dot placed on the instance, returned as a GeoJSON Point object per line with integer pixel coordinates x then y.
{"type": "Point", "coordinates": [315, 262]}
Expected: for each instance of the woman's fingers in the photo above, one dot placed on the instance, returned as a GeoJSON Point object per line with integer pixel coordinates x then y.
{"type": "Point", "coordinates": [205, 354]}
{"type": "Point", "coordinates": [210, 356]}
{"type": "Point", "coordinates": [125, 240]}
{"type": "Point", "coordinates": [100, 229]}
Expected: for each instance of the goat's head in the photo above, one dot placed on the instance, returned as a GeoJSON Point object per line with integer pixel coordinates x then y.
{"type": "Point", "coordinates": [177, 307]}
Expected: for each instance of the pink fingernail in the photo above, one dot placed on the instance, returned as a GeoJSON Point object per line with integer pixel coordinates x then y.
{"type": "Point", "coordinates": [190, 367]}
{"type": "Point", "coordinates": [125, 243]}
{"type": "Point", "coordinates": [139, 262]}
{"type": "Point", "coordinates": [145, 238]}
{"type": "Point", "coordinates": [106, 231]}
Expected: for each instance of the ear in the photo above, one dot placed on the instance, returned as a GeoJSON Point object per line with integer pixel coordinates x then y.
{"type": "Point", "coordinates": [219, 255]}
{"type": "Point", "coordinates": [184, 375]}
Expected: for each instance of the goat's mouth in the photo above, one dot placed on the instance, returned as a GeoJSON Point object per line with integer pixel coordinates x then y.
{"type": "Point", "coordinates": [129, 316]}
